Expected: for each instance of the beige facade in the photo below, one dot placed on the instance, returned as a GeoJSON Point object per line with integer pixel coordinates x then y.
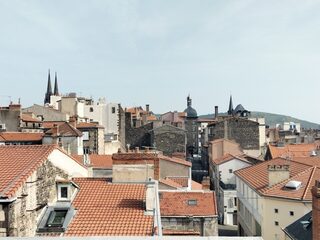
{"type": "Point", "coordinates": [132, 172]}
{"type": "Point", "coordinates": [168, 169]}
{"type": "Point", "coordinates": [266, 216]}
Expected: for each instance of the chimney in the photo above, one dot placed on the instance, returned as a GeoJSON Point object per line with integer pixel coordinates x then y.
{"type": "Point", "coordinates": [205, 183]}
{"type": "Point", "coordinates": [316, 210]}
{"type": "Point", "coordinates": [278, 173]}
{"type": "Point", "coordinates": [55, 130]}
{"type": "Point", "coordinates": [147, 108]}
{"type": "Point", "coordinates": [150, 196]}
{"type": "Point", "coordinates": [73, 121]}
{"type": "Point", "coordinates": [146, 149]}
{"type": "Point", "coordinates": [136, 150]}
{"type": "Point", "coordinates": [216, 112]}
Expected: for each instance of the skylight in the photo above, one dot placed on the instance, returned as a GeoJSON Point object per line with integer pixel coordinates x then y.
{"type": "Point", "coordinates": [294, 185]}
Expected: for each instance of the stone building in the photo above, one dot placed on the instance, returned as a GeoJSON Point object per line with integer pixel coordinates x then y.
{"type": "Point", "coordinates": [189, 213]}
{"type": "Point", "coordinates": [168, 139]}
{"type": "Point", "coordinates": [10, 118]}
{"type": "Point", "coordinates": [93, 137]}
{"type": "Point", "coordinates": [28, 183]}
{"type": "Point", "coordinates": [46, 113]}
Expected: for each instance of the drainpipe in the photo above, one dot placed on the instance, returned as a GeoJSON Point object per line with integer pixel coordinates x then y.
{"type": "Point", "coordinates": [157, 209]}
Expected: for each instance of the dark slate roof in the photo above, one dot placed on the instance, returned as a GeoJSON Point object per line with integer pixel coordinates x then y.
{"type": "Point", "coordinates": [191, 112]}
{"type": "Point", "coordinates": [239, 108]}
{"type": "Point", "coordinates": [298, 230]}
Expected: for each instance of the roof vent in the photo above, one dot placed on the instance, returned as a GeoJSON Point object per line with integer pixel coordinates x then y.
{"type": "Point", "coordinates": [294, 185]}
{"type": "Point", "coordinates": [313, 153]}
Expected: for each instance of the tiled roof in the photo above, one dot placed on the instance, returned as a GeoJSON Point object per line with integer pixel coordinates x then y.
{"type": "Point", "coordinates": [18, 163]}
{"type": "Point", "coordinates": [28, 118]}
{"type": "Point", "coordinates": [20, 136]}
{"type": "Point", "coordinates": [65, 130]}
{"type": "Point", "coordinates": [88, 125]}
{"type": "Point", "coordinates": [227, 157]}
{"type": "Point", "coordinates": [176, 204]}
{"type": "Point", "coordinates": [134, 156]}
{"type": "Point", "coordinates": [50, 124]}
{"type": "Point", "coordinates": [312, 161]}
{"type": "Point", "coordinates": [176, 160]}
{"type": "Point", "coordinates": [106, 209]}
{"type": "Point", "coordinates": [195, 185]}
{"type": "Point", "coordinates": [97, 161]}
{"type": "Point", "coordinates": [256, 177]}
{"type": "Point", "coordinates": [169, 182]}
{"type": "Point", "coordinates": [182, 181]}
{"type": "Point", "coordinates": [293, 150]}
{"type": "Point", "coordinates": [152, 118]}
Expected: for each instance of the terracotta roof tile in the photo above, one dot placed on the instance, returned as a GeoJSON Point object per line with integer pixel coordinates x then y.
{"type": "Point", "coordinates": [65, 130]}
{"type": "Point", "coordinates": [176, 160]}
{"type": "Point", "coordinates": [182, 181]}
{"type": "Point", "coordinates": [257, 178]}
{"type": "Point", "coordinates": [28, 118]}
{"type": "Point", "coordinates": [88, 125]}
{"type": "Point", "coordinates": [176, 204]}
{"type": "Point", "coordinates": [169, 182]}
{"type": "Point", "coordinates": [21, 136]}
{"type": "Point", "coordinates": [195, 185]}
{"type": "Point", "coordinates": [97, 161]}
{"type": "Point", "coordinates": [18, 163]}
{"type": "Point", "coordinates": [293, 150]}
{"type": "Point", "coordinates": [109, 209]}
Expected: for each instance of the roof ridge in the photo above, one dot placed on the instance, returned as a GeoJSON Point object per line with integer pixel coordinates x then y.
{"type": "Point", "coordinates": [309, 182]}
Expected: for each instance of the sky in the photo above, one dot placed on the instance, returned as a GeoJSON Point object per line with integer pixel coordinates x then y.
{"type": "Point", "coordinates": [265, 53]}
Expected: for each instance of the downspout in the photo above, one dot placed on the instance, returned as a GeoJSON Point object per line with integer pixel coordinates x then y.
{"type": "Point", "coordinates": [157, 216]}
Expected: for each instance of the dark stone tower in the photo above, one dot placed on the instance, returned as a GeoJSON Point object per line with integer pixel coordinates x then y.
{"type": "Point", "coordinates": [191, 126]}
{"type": "Point", "coordinates": [56, 89]}
{"type": "Point", "coordinates": [49, 90]}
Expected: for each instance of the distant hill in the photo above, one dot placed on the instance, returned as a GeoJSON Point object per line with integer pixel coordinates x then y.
{"type": "Point", "coordinates": [272, 119]}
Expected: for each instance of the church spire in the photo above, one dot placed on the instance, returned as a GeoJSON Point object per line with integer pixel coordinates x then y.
{"type": "Point", "coordinates": [230, 110]}
{"type": "Point", "coordinates": [56, 90]}
{"type": "Point", "coordinates": [49, 90]}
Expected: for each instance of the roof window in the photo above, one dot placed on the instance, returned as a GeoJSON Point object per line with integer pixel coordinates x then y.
{"type": "Point", "coordinates": [293, 185]}
{"type": "Point", "coordinates": [192, 202]}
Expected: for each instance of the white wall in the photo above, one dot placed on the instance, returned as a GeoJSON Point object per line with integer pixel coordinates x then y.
{"type": "Point", "coordinates": [226, 176]}
{"type": "Point", "coordinates": [67, 164]}
{"type": "Point", "coordinates": [112, 118]}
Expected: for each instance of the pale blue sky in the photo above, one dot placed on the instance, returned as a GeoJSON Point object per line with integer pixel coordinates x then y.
{"type": "Point", "coordinates": [266, 53]}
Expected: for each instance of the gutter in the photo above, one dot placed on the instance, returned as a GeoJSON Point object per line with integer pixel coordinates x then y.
{"type": "Point", "coordinates": [8, 200]}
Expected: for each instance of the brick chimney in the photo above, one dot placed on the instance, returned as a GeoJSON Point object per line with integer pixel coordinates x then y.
{"type": "Point", "coordinates": [55, 130]}
{"type": "Point", "coordinates": [316, 210]}
{"type": "Point", "coordinates": [205, 183]}
{"type": "Point", "coordinates": [147, 108]}
{"type": "Point", "coordinates": [278, 173]}
{"type": "Point", "coordinates": [73, 121]}
{"type": "Point", "coordinates": [216, 112]}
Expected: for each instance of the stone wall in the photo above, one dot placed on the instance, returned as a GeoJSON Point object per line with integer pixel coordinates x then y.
{"type": "Point", "coordinates": [32, 197]}
{"type": "Point", "coordinates": [169, 139]}
{"type": "Point", "coordinates": [206, 226]}
{"type": "Point", "coordinates": [243, 131]}
{"type": "Point", "coordinates": [11, 119]}
{"type": "Point", "coordinates": [191, 127]}
{"type": "Point", "coordinates": [137, 137]}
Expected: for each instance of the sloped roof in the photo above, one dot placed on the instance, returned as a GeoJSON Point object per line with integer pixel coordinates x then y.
{"type": "Point", "coordinates": [256, 177]}
{"type": "Point", "coordinates": [97, 161]}
{"type": "Point", "coordinates": [176, 204]}
{"type": "Point", "coordinates": [88, 125]}
{"type": "Point", "coordinates": [195, 185]}
{"type": "Point", "coordinates": [293, 150]}
{"type": "Point", "coordinates": [28, 118]}
{"type": "Point", "coordinates": [170, 183]}
{"type": "Point", "coordinates": [20, 136]}
{"type": "Point", "coordinates": [65, 130]}
{"type": "Point", "coordinates": [106, 209]}
{"type": "Point", "coordinates": [17, 163]}
{"type": "Point", "coordinates": [175, 160]}
{"type": "Point", "coordinates": [297, 230]}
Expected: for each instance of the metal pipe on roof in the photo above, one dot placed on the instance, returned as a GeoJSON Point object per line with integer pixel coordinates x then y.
{"type": "Point", "coordinates": [8, 200]}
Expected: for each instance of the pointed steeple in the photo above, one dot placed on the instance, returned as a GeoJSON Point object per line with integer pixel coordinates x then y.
{"type": "Point", "coordinates": [56, 90]}
{"type": "Point", "coordinates": [49, 90]}
{"type": "Point", "coordinates": [230, 110]}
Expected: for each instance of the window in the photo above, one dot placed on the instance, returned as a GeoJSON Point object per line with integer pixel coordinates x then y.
{"type": "Point", "coordinates": [276, 223]}
{"type": "Point", "coordinates": [235, 201]}
{"type": "Point", "coordinates": [63, 192]}
{"type": "Point", "coordinates": [85, 136]}
{"type": "Point", "coordinates": [291, 213]}
{"type": "Point", "coordinates": [276, 210]}
{"type": "Point", "coordinates": [192, 202]}
{"type": "Point", "coordinates": [230, 170]}
{"type": "Point", "coordinates": [113, 110]}
{"type": "Point", "coordinates": [56, 218]}
{"type": "Point", "coordinates": [91, 109]}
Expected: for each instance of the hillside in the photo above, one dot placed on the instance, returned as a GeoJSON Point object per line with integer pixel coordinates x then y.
{"type": "Point", "coordinates": [272, 119]}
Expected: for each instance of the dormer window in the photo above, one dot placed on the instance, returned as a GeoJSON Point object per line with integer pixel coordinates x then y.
{"type": "Point", "coordinates": [63, 192]}
{"type": "Point", "coordinates": [56, 218]}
